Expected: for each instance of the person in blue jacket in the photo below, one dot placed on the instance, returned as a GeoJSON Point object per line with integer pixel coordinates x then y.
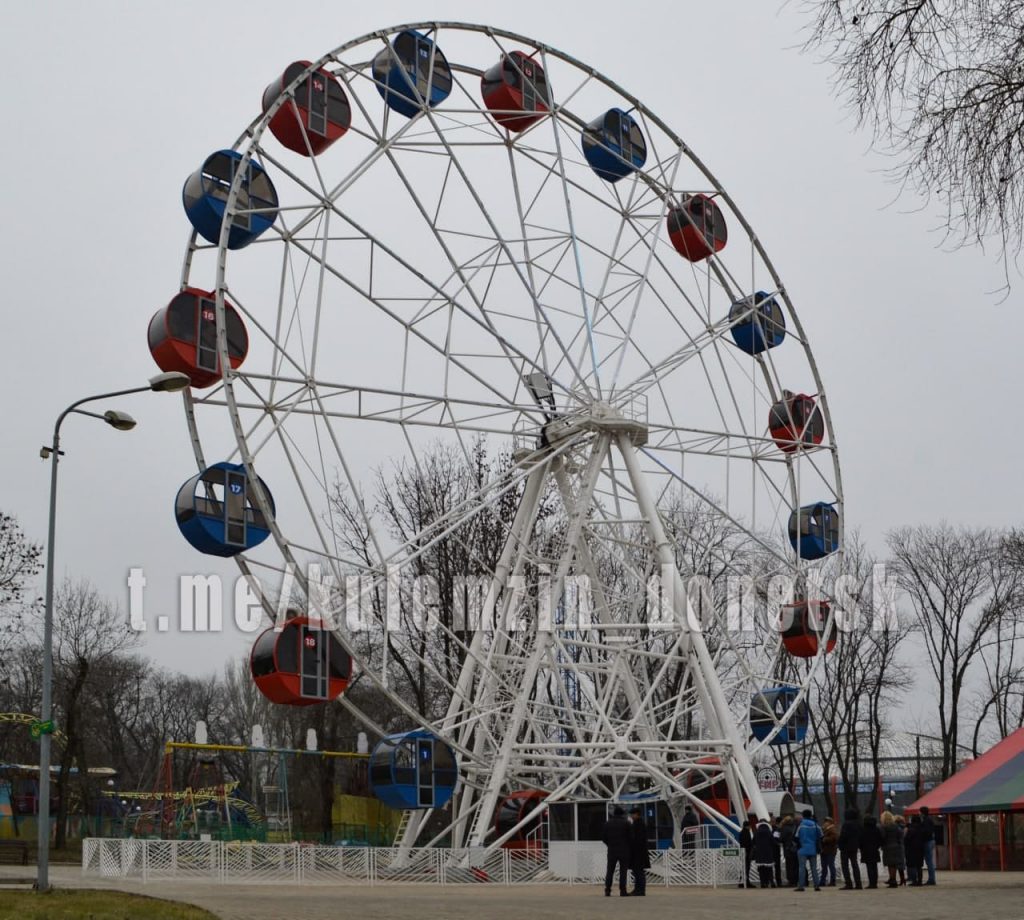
{"type": "Point", "coordinates": [808, 836]}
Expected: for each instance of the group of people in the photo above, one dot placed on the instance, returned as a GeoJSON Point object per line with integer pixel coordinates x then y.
{"type": "Point", "coordinates": [626, 839]}
{"type": "Point", "coordinates": [805, 847]}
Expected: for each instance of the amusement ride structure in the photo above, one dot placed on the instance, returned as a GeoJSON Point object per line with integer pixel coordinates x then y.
{"type": "Point", "coordinates": [440, 233]}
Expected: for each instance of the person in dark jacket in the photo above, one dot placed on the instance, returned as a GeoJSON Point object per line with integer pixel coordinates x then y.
{"type": "Point", "coordinates": [870, 845]}
{"type": "Point", "coordinates": [892, 846]}
{"type": "Point", "coordinates": [930, 835]}
{"type": "Point", "coordinates": [639, 857]}
{"type": "Point", "coordinates": [688, 826]}
{"type": "Point", "coordinates": [777, 843]}
{"type": "Point", "coordinates": [787, 839]}
{"type": "Point", "coordinates": [747, 845]}
{"type": "Point", "coordinates": [617, 836]}
{"type": "Point", "coordinates": [849, 843]}
{"type": "Point", "coordinates": [913, 847]}
{"type": "Point", "coordinates": [902, 868]}
{"type": "Point", "coordinates": [763, 852]}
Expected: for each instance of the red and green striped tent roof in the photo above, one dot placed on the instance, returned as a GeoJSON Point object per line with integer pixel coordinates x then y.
{"type": "Point", "coordinates": [993, 782]}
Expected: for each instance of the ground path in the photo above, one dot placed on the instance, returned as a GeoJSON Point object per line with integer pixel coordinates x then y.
{"type": "Point", "coordinates": [958, 896]}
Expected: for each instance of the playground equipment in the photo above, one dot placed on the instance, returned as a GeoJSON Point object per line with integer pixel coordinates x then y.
{"type": "Point", "coordinates": [209, 804]}
{"type": "Point", "coordinates": [467, 273]}
{"type": "Point", "coordinates": [32, 723]}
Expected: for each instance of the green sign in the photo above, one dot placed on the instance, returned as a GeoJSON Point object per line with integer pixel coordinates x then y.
{"type": "Point", "coordinates": [38, 729]}
{"type": "Point", "coordinates": [730, 851]}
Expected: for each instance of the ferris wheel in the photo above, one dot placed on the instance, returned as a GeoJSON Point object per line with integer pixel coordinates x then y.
{"type": "Point", "coordinates": [441, 236]}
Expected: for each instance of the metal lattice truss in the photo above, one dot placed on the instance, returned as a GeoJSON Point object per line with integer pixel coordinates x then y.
{"type": "Point", "coordinates": [434, 280]}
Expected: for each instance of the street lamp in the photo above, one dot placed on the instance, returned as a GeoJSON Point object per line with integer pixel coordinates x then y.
{"type": "Point", "coordinates": [161, 383]}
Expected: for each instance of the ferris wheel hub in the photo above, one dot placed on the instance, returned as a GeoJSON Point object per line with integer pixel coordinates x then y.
{"type": "Point", "coordinates": [622, 414]}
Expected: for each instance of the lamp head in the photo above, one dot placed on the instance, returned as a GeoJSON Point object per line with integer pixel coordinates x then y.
{"type": "Point", "coordinates": [170, 382]}
{"type": "Point", "coordinates": [122, 421]}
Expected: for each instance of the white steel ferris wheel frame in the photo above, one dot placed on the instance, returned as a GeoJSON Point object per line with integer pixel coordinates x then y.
{"type": "Point", "coordinates": [604, 726]}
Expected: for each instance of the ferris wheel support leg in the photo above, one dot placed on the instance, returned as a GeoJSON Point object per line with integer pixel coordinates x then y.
{"type": "Point", "coordinates": [706, 673]}
{"type": "Point", "coordinates": [542, 643]}
{"type": "Point", "coordinates": [522, 524]}
{"type": "Point", "coordinates": [736, 796]}
{"type": "Point", "coordinates": [510, 563]}
{"type": "Point", "coordinates": [632, 691]}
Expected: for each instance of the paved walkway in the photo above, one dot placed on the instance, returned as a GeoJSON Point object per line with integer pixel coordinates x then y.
{"type": "Point", "coordinates": [958, 896]}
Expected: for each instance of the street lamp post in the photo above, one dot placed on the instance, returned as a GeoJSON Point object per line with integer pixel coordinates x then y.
{"type": "Point", "coordinates": [169, 382]}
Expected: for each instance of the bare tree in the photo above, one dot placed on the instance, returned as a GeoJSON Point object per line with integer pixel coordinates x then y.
{"type": "Point", "coordinates": [960, 594]}
{"type": "Point", "coordinates": [889, 677]}
{"type": "Point", "coordinates": [941, 85]}
{"type": "Point", "coordinates": [19, 562]}
{"type": "Point", "coordinates": [89, 633]}
{"type": "Point", "coordinates": [407, 501]}
{"type": "Point", "coordinates": [862, 680]}
{"type": "Point", "coordinates": [1001, 700]}
{"type": "Point", "coordinates": [709, 548]}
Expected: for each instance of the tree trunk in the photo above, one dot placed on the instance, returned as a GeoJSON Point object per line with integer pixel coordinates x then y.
{"type": "Point", "coordinates": [72, 745]}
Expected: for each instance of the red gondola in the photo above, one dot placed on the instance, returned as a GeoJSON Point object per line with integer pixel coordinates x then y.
{"type": "Point", "coordinates": [715, 796]}
{"type": "Point", "coordinates": [803, 626]}
{"type": "Point", "coordinates": [516, 91]}
{"type": "Point", "coordinates": [511, 810]}
{"type": "Point", "coordinates": [697, 228]}
{"type": "Point", "coordinates": [300, 664]}
{"type": "Point", "coordinates": [796, 420]}
{"type": "Point", "coordinates": [318, 114]}
{"type": "Point", "coordinates": [183, 337]}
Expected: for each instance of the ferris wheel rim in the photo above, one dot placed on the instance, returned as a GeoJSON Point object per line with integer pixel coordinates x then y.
{"type": "Point", "coordinates": [254, 134]}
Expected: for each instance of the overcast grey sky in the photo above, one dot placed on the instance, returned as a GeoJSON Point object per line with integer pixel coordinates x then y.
{"type": "Point", "coordinates": [111, 105]}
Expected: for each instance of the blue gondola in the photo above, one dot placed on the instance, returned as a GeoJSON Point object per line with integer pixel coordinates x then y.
{"type": "Point", "coordinates": [768, 708]}
{"type": "Point", "coordinates": [413, 770]}
{"type": "Point", "coordinates": [614, 145]}
{"type": "Point", "coordinates": [205, 196]}
{"type": "Point", "coordinates": [410, 72]}
{"type": "Point", "coordinates": [757, 323]}
{"type": "Point", "coordinates": [216, 514]}
{"type": "Point", "coordinates": [814, 530]}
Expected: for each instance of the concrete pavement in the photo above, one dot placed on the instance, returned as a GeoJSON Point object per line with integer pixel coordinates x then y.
{"type": "Point", "coordinates": [958, 896]}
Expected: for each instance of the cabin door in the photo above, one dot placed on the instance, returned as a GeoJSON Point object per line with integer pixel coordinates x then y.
{"type": "Point", "coordinates": [529, 88]}
{"type": "Point", "coordinates": [234, 508]}
{"type": "Point", "coordinates": [625, 142]}
{"type": "Point", "coordinates": [423, 68]}
{"type": "Point", "coordinates": [242, 218]}
{"type": "Point", "coordinates": [425, 771]}
{"type": "Point", "coordinates": [317, 104]}
{"type": "Point", "coordinates": [206, 336]}
{"type": "Point", "coordinates": [314, 663]}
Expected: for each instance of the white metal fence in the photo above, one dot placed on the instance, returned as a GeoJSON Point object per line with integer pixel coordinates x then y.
{"type": "Point", "coordinates": [294, 863]}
